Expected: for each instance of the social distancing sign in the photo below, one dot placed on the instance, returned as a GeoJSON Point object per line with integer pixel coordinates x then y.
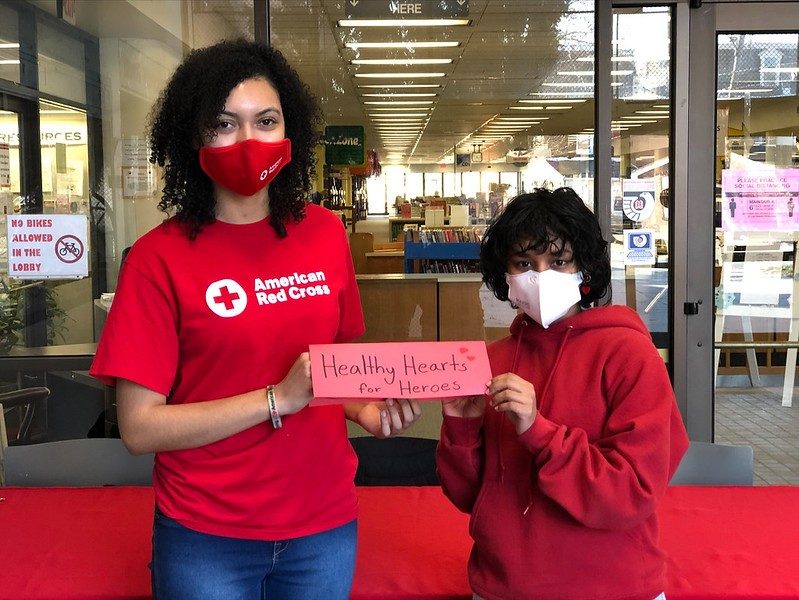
{"type": "Point", "coordinates": [47, 246]}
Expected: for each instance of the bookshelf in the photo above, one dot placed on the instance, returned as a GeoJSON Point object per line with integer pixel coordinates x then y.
{"type": "Point", "coordinates": [444, 250]}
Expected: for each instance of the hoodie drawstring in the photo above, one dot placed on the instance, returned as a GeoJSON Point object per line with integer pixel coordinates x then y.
{"type": "Point", "coordinates": [539, 397]}
{"type": "Point", "coordinates": [502, 418]}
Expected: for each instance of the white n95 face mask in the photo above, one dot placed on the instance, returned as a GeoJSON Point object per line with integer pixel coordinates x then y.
{"type": "Point", "coordinates": [546, 296]}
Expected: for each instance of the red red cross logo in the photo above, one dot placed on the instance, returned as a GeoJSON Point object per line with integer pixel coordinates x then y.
{"type": "Point", "coordinates": [226, 298]}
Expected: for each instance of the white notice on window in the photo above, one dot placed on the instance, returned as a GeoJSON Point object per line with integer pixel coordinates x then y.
{"type": "Point", "coordinates": [47, 246]}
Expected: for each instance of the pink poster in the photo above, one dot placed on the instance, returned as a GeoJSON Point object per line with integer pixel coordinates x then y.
{"type": "Point", "coordinates": [760, 200]}
{"type": "Point", "coordinates": [421, 370]}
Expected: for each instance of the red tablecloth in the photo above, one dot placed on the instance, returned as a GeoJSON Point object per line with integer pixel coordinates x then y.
{"type": "Point", "coordinates": [724, 543]}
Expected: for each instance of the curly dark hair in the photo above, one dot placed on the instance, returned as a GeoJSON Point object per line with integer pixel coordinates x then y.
{"type": "Point", "coordinates": [189, 106]}
{"type": "Point", "coordinates": [540, 219]}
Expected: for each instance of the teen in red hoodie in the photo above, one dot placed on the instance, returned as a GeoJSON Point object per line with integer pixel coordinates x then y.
{"type": "Point", "coordinates": [561, 465]}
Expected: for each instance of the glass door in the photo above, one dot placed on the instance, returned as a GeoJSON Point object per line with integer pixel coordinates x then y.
{"type": "Point", "coordinates": [10, 298]}
{"type": "Point", "coordinates": [755, 233]}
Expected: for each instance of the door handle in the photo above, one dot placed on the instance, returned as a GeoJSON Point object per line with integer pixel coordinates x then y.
{"type": "Point", "coordinates": [691, 308]}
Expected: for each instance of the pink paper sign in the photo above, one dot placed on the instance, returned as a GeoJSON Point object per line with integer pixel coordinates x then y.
{"type": "Point", "coordinates": [420, 370]}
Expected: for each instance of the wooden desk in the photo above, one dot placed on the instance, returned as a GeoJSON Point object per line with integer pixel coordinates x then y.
{"type": "Point", "coordinates": [723, 543]}
{"type": "Point", "coordinates": [385, 262]}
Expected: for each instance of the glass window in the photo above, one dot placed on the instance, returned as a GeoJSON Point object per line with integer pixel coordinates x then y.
{"type": "Point", "coordinates": [9, 44]}
{"type": "Point", "coordinates": [641, 122]}
{"type": "Point", "coordinates": [62, 68]}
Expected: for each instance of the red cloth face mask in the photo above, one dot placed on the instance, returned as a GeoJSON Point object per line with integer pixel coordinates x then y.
{"type": "Point", "coordinates": [245, 167]}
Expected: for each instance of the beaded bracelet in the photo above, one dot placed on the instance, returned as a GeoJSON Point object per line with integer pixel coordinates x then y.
{"type": "Point", "coordinates": [277, 423]}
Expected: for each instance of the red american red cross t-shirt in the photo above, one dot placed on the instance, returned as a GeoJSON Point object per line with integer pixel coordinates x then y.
{"type": "Point", "coordinates": [224, 314]}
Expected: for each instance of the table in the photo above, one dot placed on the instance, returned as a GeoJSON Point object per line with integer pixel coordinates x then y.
{"type": "Point", "coordinates": [724, 543]}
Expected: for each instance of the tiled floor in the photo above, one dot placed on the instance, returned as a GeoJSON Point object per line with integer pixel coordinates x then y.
{"type": "Point", "coordinates": [756, 417]}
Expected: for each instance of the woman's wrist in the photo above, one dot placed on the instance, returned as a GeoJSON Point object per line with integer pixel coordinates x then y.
{"type": "Point", "coordinates": [272, 404]}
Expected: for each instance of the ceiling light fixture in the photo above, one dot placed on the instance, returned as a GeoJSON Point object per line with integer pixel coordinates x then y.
{"type": "Point", "coordinates": [400, 75]}
{"type": "Point", "coordinates": [406, 45]}
{"type": "Point", "coordinates": [401, 95]}
{"type": "Point", "coordinates": [402, 23]}
{"type": "Point", "coordinates": [400, 61]}
{"type": "Point", "coordinates": [392, 86]}
{"type": "Point", "coordinates": [398, 102]}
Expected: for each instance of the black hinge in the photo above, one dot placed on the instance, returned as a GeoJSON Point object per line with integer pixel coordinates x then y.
{"type": "Point", "coordinates": [691, 308]}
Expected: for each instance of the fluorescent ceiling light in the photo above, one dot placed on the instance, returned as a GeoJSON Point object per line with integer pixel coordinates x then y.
{"type": "Point", "coordinates": [399, 119]}
{"type": "Point", "coordinates": [400, 95]}
{"type": "Point", "coordinates": [398, 102]}
{"type": "Point", "coordinates": [746, 91]}
{"type": "Point", "coordinates": [559, 107]}
{"type": "Point", "coordinates": [661, 106]}
{"type": "Point", "coordinates": [527, 108]}
{"type": "Point", "coordinates": [515, 120]}
{"type": "Point", "coordinates": [612, 59]}
{"type": "Point", "coordinates": [407, 45]}
{"type": "Point", "coordinates": [9, 62]}
{"type": "Point", "coordinates": [652, 112]}
{"type": "Point", "coordinates": [779, 70]}
{"type": "Point", "coordinates": [386, 86]}
{"type": "Point", "coordinates": [399, 75]}
{"type": "Point", "coordinates": [402, 23]}
{"type": "Point", "coordinates": [555, 101]}
{"type": "Point", "coordinates": [591, 73]}
{"type": "Point", "coordinates": [379, 116]}
{"type": "Point", "coordinates": [568, 84]}
{"type": "Point", "coordinates": [400, 109]}
{"type": "Point", "coordinates": [6, 46]}
{"type": "Point", "coordinates": [400, 61]}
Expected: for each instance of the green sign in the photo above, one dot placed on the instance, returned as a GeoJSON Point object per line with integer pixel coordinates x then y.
{"type": "Point", "coordinates": [344, 145]}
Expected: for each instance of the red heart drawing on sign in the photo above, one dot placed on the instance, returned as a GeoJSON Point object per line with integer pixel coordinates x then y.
{"type": "Point", "coordinates": [470, 357]}
{"type": "Point", "coordinates": [463, 350]}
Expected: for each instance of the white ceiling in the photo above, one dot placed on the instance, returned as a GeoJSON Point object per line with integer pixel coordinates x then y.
{"type": "Point", "coordinates": [508, 50]}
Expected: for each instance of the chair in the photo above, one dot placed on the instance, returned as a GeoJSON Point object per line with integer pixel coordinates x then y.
{"type": "Point", "coordinates": [360, 244]}
{"type": "Point", "coordinates": [24, 397]}
{"type": "Point", "coordinates": [395, 461]}
{"type": "Point", "coordinates": [715, 464]}
{"type": "Point", "coordinates": [76, 463]}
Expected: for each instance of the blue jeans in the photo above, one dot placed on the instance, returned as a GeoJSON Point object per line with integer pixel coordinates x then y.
{"type": "Point", "coordinates": [192, 565]}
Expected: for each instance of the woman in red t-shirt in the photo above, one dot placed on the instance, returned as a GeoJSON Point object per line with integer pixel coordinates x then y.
{"type": "Point", "coordinates": [208, 335]}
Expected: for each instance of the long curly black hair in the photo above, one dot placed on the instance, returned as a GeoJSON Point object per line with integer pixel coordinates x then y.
{"type": "Point", "coordinates": [538, 220]}
{"type": "Point", "coordinates": [189, 106]}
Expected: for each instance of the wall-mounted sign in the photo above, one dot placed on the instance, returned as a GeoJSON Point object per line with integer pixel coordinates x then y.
{"type": "Point", "coordinates": [399, 9]}
{"type": "Point", "coordinates": [47, 246]}
{"type": "Point", "coordinates": [344, 145]}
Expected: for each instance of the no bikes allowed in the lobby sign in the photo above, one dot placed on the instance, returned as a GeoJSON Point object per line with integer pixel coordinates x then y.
{"type": "Point", "coordinates": [47, 246]}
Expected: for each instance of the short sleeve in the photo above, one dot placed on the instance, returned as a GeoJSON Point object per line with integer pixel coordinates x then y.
{"type": "Point", "coordinates": [351, 324]}
{"type": "Point", "coordinates": [139, 340]}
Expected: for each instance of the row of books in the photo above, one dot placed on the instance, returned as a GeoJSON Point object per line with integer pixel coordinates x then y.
{"type": "Point", "coordinates": [444, 235]}
{"type": "Point", "coordinates": [450, 266]}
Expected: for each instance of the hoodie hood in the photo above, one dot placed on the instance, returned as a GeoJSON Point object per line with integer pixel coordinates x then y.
{"type": "Point", "coordinates": [602, 317]}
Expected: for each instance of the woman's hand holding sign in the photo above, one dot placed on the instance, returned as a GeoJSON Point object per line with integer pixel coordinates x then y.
{"type": "Point", "coordinates": [386, 419]}
{"type": "Point", "coordinates": [295, 391]}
